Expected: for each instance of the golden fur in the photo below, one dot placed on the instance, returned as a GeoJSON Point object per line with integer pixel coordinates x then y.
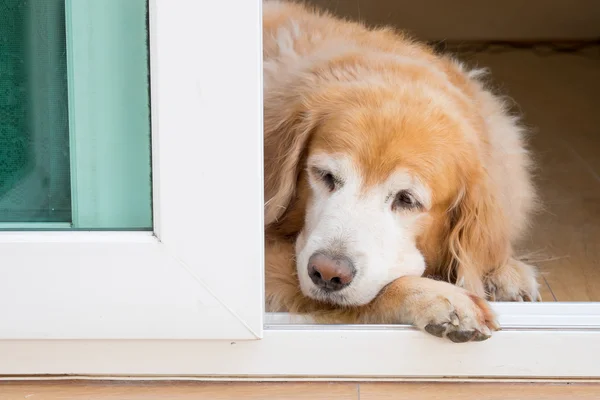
{"type": "Point", "coordinates": [387, 102]}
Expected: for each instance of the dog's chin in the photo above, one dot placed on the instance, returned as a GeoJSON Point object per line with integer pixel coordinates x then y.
{"type": "Point", "coordinates": [343, 298]}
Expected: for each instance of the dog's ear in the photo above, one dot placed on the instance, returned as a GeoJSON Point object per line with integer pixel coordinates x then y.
{"type": "Point", "coordinates": [479, 238]}
{"type": "Point", "coordinates": [288, 128]}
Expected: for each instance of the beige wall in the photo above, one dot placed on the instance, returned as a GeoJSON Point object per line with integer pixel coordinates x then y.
{"type": "Point", "coordinates": [479, 19]}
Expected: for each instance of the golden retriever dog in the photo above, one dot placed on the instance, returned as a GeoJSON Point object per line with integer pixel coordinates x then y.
{"type": "Point", "coordinates": [387, 165]}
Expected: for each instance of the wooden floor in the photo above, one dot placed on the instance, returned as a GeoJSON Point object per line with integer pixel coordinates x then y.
{"type": "Point", "coordinates": [290, 391]}
{"type": "Point", "coordinates": [560, 97]}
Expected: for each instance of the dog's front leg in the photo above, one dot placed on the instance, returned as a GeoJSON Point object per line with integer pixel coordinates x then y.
{"type": "Point", "coordinates": [437, 307]}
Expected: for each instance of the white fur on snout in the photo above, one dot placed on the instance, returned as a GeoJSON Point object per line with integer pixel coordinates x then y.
{"type": "Point", "coordinates": [362, 226]}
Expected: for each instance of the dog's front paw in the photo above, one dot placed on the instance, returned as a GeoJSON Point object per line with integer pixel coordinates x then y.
{"type": "Point", "coordinates": [456, 314]}
{"type": "Point", "coordinates": [515, 281]}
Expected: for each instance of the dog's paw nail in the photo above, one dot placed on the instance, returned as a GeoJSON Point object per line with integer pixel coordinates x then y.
{"type": "Point", "coordinates": [481, 336]}
{"type": "Point", "coordinates": [460, 336]}
{"type": "Point", "coordinates": [454, 319]}
{"type": "Point", "coordinates": [494, 326]}
{"type": "Point", "coordinates": [436, 329]}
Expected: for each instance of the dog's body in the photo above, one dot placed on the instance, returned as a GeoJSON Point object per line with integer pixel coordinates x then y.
{"type": "Point", "coordinates": [384, 163]}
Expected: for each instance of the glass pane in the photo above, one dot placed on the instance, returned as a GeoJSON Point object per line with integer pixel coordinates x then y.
{"type": "Point", "coordinates": [34, 136]}
{"type": "Point", "coordinates": [74, 115]}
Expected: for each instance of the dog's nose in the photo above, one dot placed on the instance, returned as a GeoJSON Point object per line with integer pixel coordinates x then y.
{"type": "Point", "coordinates": [330, 273]}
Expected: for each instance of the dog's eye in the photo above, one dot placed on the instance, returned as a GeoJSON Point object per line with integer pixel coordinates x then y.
{"type": "Point", "coordinates": [328, 179]}
{"type": "Point", "coordinates": [405, 201]}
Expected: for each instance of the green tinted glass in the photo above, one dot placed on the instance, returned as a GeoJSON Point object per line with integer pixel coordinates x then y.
{"type": "Point", "coordinates": [34, 128]}
{"type": "Point", "coordinates": [74, 115]}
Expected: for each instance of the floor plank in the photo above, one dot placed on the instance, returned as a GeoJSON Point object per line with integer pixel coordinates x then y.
{"type": "Point", "coordinates": [546, 291]}
{"type": "Point", "coordinates": [477, 391]}
{"type": "Point", "coordinates": [97, 390]}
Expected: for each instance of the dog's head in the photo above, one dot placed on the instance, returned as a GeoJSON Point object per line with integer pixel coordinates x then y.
{"type": "Point", "coordinates": [374, 181]}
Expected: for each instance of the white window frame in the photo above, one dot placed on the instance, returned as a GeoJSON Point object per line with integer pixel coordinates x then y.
{"type": "Point", "coordinates": [199, 274]}
{"type": "Point", "coordinates": [188, 299]}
